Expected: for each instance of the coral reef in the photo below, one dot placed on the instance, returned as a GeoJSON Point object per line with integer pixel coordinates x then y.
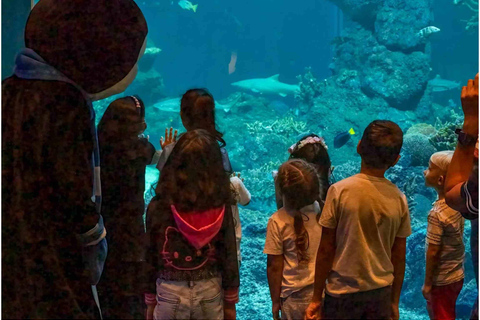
{"type": "Point", "coordinates": [399, 78]}
{"type": "Point", "coordinates": [310, 88]}
{"type": "Point", "coordinates": [387, 50]}
{"type": "Point", "coordinates": [286, 126]}
{"type": "Point", "coordinates": [422, 128]}
{"type": "Point", "coordinates": [419, 148]}
{"type": "Point", "coordinates": [472, 5]}
{"type": "Point", "coordinates": [445, 137]}
{"type": "Point", "coordinates": [398, 22]}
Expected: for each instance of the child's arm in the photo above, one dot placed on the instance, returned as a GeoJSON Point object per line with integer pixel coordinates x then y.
{"type": "Point", "coordinates": [275, 276]}
{"type": "Point", "coordinates": [398, 260]}
{"type": "Point", "coordinates": [433, 255]}
{"type": "Point", "coordinates": [323, 266]}
{"type": "Point", "coordinates": [244, 196]}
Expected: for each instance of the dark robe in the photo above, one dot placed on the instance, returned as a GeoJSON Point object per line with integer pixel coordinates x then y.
{"type": "Point", "coordinates": [123, 186]}
{"type": "Point", "coordinates": [47, 188]}
{"type": "Point", "coordinates": [47, 149]}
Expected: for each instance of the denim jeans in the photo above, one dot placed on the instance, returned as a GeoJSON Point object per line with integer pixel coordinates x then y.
{"type": "Point", "coordinates": [294, 306]}
{"type": "Point", "coordinates": [189, 299]}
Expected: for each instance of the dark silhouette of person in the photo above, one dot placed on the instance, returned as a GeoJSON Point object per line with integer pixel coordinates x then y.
{"type": "Point", "coordinates": [53, 239]}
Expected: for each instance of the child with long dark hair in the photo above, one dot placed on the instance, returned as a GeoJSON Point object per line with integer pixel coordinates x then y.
{"type": "Point", "coordinates": [124, 157]}
{"type": "Point", "coordinates": [314, 150]}
{"type": "Point", "coordinates": [293, 237]}
{"type": "Point", "coordinates": [197, 111]}
{"type": "Point", "coordinates": [192, 252]}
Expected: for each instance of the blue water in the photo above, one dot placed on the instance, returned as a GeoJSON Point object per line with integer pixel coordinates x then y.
{"type": "Point", "coordinates": [285, 37]}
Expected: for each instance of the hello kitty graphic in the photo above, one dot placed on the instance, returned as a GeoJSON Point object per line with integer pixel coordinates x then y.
{"type": "Point", "coordinates": [179, 254]}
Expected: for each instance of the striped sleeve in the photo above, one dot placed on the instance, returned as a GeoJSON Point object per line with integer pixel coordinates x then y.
{"type": "Point", "coordinates": [150, 299]}
{"type": "Point", "coordinates": [470, 195]}
{"type": "Point", "coordinates": [231, 295]}
{"type": "Point", "coordinates": [434, 229]}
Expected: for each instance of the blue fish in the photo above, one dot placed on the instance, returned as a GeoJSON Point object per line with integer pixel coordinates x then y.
{"type": "Point", "coordinates": [343, 138]}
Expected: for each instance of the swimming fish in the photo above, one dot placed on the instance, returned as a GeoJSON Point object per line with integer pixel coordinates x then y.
{"type": "Point", "coordinates": [269, 85]}
{"type": "Point", "coordinates": [438, 84]}
{"type": "Point", "coordinates": [425, 32]}
{"type": "Point", "coordinates": [173, 105]}
{"type": "Point", "coordinates": [233, 62]}
{"type": "Point", "coordinates": [343, 138]}
{"type": "Point", "coordinates": [187, 5]}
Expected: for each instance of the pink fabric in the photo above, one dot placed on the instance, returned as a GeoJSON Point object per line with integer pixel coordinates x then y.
{"type": "Point", "coordinates": [199, 227]}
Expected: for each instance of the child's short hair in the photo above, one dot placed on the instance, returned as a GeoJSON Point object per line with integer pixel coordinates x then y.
{"type": "Point", "coordinates": [381, 143]}
{"type": "Point", "coordinates": [442, 160]}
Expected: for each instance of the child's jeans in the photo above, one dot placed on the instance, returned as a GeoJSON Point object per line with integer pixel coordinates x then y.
{"type": "Point", "coordinates": [443, 300]}
{"type": "Point", "coordinates": [294, 306]}
{"type": "Point", "coordinates": [189, 299]}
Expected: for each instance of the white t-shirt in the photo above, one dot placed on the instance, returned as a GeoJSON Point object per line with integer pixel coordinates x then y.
{"type": "Point", "coordinates": [243, 197]}
{"type": "Point", "coordinates": [368, 213]}
{"type": "Point", "coordinates": [280, 240]}
{"type": "Point", "coordinates": [445, 229]}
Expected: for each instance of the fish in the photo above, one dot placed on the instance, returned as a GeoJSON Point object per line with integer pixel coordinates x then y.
{"type": "Point", "coordinates": [269, 85]}
{"type": "Point", "coordinates": [233, 62]}
{"type": "Point", "coordinates": [153, 50]}
{"type": "Point", "coordinates": [187, 5]}
{"type": "Point", "coordinates": [427, 31]}
{"type": "Point", "coordinates": [173, 105]}
{"type": "Point", "coordinates": [342, 138]}
{"type": "Point", "coordinates": [438, 84]}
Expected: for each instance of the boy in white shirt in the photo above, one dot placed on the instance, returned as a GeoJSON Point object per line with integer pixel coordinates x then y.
{"type": "Point", "coordinates": [365, 225]}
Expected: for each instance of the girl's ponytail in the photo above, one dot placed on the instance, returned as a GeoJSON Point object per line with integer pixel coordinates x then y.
{"type": "Point", "coordinates": [301, 241]}
{"type": "Point", "coordinates": [298, 183]}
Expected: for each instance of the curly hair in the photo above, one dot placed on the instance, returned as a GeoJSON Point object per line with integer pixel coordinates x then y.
{"type": "Point", "coordinates": [298, 182]}
{"type": "Point", "coordinates": [193, 177]}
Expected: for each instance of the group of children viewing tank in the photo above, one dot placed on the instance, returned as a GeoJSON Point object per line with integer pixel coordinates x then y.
{"type": "Point", "coordinates": [334, 251]}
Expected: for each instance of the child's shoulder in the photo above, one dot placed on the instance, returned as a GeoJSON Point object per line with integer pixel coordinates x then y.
{"type": "Point", "coordinates": [445, 214]}
{"type": "Point", "coordinates": [280, 217]}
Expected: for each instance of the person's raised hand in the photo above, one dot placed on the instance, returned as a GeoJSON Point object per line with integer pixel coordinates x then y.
{"type": "Point", "coordinates": [237, 175]}
{"type": "Point", "coordinates": [470, 100]}
{"type": "Point", "coordinates": [170, 137]}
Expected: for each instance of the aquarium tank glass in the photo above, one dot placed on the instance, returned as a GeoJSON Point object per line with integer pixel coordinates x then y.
{"type": "Point", "coordinates": [280, 70]}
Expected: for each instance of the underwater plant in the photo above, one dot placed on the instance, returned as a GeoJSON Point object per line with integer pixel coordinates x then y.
{"type": "Point", "coordinates": [310, 88]}
{"type": "Point", "coordinates": [445, 137]}
{"type": "Point", "coordinates": [472, 23]}
{"type": "Point", "coordinates": [286, 126]}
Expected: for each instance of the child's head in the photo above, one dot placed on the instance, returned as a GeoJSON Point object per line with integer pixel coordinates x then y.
{"type": "Point", "coordinates": [313, 149]}
{"type": "Point", "coordinates": [123, 120]}
{"type": "Point", "coordinates": [193, 177]}
{"type": "Point", "coordinates": [381, 144]}
{"type": "Point", "coordinates": [437, 169]}
{"type": "Point", "coordinates": [197, 110]}
{"type": "Point", "coordinates": [298, 183]}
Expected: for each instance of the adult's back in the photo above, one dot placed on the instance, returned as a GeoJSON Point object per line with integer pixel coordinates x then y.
{"type": "Point", "coordinates": [48, 145]}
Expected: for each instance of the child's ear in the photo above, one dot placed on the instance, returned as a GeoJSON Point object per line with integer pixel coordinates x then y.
{"type": "Point", "coordinates": [358, 146]}
{"type": "Point", "coordinates": [441, 180]}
